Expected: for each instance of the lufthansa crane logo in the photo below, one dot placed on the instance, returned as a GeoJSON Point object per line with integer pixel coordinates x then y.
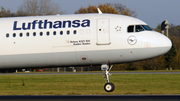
{"type": "Point", "coordinates": [132, 40]}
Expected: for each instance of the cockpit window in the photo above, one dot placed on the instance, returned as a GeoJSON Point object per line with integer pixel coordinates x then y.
{"type": "Point", "coordinates": [139, 28]}
{"type": "Point", "coordinates": [146, 27]}
{"type": "Point", "coordinates": [131, 28]}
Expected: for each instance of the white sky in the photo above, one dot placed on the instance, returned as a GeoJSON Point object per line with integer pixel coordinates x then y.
{"type": "Point", "coordinates": [153, 12]}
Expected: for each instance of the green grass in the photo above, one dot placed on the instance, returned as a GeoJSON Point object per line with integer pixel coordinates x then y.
{"type": "Point", "coordinates": [89, 84]}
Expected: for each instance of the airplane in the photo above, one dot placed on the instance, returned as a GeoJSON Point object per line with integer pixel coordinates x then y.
{"type": "Point", "coordinates": [78, 40]}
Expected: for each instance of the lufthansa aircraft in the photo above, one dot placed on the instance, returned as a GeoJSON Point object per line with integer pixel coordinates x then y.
{"type": "Point", "coordinates": [76, 40]}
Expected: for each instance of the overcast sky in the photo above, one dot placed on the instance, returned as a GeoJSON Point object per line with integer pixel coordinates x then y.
{"type": "Point", "coordinates": [153, 12]}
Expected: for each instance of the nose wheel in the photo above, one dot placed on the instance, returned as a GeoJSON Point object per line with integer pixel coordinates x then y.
{"type": "Point", "coordinates": [108, 87]}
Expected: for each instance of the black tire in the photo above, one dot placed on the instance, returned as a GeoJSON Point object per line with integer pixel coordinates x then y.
{"type": "Point", "coordinates": [109, 87]}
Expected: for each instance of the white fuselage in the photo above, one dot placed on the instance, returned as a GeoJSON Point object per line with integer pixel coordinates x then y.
{"type": "Point", "coordinates": [82, 39]}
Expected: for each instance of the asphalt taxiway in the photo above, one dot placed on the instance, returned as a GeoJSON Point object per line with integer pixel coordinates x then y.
{"type": "Point", "coordinates": [94, 98]}
{"type": "Point", "coordinates": [79, 73]}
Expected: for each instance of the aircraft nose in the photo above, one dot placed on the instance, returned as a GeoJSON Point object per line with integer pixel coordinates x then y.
{"type": "Point", "coordinates": [164, 43]}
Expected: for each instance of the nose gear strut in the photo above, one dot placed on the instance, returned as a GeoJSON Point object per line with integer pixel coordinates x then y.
{"type": "Point", "coordinates": [108, 87]}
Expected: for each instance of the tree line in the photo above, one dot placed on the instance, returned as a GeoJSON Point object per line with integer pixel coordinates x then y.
{"type": "Point", "coordinates": [47, 7]}
{"type": "Point", "coordinates": [33, 8]}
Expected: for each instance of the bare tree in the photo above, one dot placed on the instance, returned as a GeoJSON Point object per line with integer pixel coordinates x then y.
{"type": "Point", "coordinates": [5, 13]}
{"type": "Point", "coordinates": [122, 9]}
{"type": "Point", "coordinates": [38, 7]}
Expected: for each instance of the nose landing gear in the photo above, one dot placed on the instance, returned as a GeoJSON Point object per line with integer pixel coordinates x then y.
{"type": "Point", "coordinates": [108, 87]}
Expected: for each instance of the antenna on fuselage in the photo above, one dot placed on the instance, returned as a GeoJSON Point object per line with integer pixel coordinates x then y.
{"type": "Point", "coordinates": [99, 11]}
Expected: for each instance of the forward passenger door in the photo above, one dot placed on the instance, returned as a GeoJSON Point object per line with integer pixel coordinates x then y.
{"type": "Point", "coordinates": [103, 32]}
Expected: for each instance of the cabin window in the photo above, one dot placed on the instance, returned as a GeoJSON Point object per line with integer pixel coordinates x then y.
{"type": "Point", "coordinates": [20, 34]}
{"type": "Point", "coordinates": [75, 32]}
{"type": "Point", "coordinates": [54, 33]}
{"type": "Point", "coordinates": [61, 32]}
{"type": "Point", "coordinates": [47, 33]}
{"type": "Point", "coordinates": [131, 28]}
{"type": "Point", "coordinates": [41, 33]}
{"type": "Point", "coordinates": [34, 34]}
{"type": "Point", "coordinates": [14, 35]}
{"type": "Point", "coordinates": [68, 32]}
{"type": "Point", "coordinates": [27, 34]}
{"type": "Point", "coordinates": [7, 35]}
